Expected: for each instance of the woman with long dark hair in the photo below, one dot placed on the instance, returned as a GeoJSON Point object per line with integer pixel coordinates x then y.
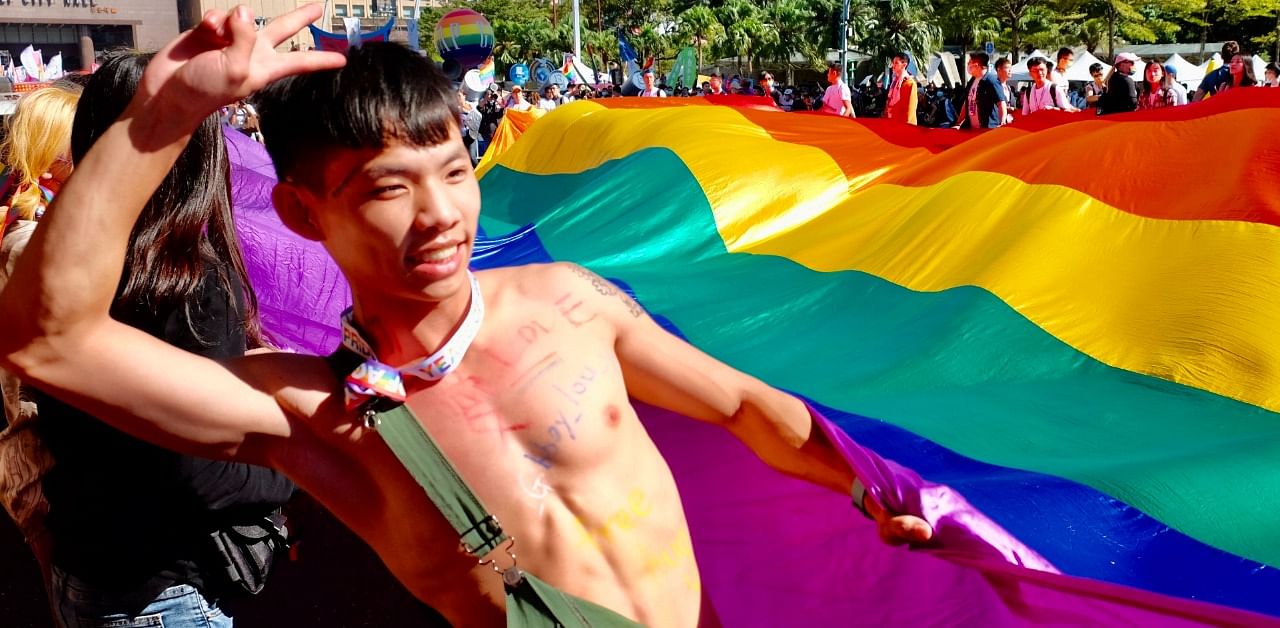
{"type": "Point", "coordinates": [1156, 91]}
{"type": "Point", "coordinates": [141, 533]}
{"type": "Point", "coordinates": [1241, 69]}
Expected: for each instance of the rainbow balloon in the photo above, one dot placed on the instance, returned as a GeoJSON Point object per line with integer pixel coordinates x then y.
{"type": "Point", "coordinates": [464, 36]}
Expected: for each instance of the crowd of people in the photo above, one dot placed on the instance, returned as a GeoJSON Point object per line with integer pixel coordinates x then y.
{"type": "Point", "coordinates": [989, 98]}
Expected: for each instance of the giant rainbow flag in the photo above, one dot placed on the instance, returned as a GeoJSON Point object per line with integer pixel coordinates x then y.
{"type": "Point", "coordinates": [1074, 322]}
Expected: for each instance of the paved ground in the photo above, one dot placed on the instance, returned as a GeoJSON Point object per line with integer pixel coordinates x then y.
{"type": "Point", "coordinates": [337, 582]}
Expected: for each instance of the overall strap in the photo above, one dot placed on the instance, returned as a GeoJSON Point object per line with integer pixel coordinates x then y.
{"type": "Point", "coordinates": [478, 531]}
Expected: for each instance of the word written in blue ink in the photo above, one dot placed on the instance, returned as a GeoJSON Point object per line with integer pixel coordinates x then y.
{"type": "Point", "coordinates": [579, 387]}
{"type": "Point", "coordinates": [556, 436]}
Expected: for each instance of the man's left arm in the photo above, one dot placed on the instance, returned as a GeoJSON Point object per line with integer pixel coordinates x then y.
{"type": "Point", "coordinates": [663, 370]}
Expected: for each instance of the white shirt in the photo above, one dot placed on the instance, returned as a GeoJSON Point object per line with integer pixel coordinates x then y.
{"type": "Point", "coordinates": [834, 98]}
{"type": "Point", "coordinates": [975, 120]}
{"type": "Point", "coordinates": [1064, 87]}
{"type": "Point", "coordinates": [653, 93]}
{"type": "Point", "coordinates": [1043, 97]}
{"type": "Point", "coordinates": [1058, 79]}
{"type": "Point", "coordinates": [547, 104]}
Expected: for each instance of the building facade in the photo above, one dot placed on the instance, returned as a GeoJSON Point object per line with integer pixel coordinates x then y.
{"type": "Point", "coordinates": [189, 12]}
{"type": "Point", "coordinates": [80, 29]}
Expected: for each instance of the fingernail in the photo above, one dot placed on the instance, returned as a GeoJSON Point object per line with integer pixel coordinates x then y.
{"type": "Point", "coordinates": [242, 12]}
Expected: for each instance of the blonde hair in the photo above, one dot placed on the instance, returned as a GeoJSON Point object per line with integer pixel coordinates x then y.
{"type": "Point", "coordinates": [37, 135]}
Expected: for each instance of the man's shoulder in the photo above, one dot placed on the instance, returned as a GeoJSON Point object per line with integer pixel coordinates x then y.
{"type": "Point", "coordinates": [531, 281]}
{"type": "Point", "coordinates": [574, 291]}
{"type": "Point", "coordinates": [1217, 77]}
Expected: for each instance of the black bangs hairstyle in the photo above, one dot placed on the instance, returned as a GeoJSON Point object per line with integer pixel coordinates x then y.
{"type": "Point", "coordinates": [384, 92]}
{"type": "Point", "coordinates": [186, 225]}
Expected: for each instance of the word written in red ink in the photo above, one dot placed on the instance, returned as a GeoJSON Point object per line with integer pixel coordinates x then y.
{"type": "Point", "coordinates": [569, 310]}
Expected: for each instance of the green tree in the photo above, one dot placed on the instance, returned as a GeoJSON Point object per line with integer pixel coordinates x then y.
{"type": "Point", "coordinates": [1263, 11]}
{"type": "Point", "coordinates": [1012, 15]}
{"type": "Point", "coordinates": [699, 27]}
{"type": "Point", "coordinates": [967, 23]}
{"type": "Point", "coordinates": [791, 20]}
{"type": "Point", "coordinates": [734, 15]}
{"type": "Point", "coordinates": [598, 47]}
{"type": "Point", "coordinates": [1141, 21]}
{"type": "Point", "coordinates": [650, 42]}
{"type": "Point", "coordinates": [882, 28]}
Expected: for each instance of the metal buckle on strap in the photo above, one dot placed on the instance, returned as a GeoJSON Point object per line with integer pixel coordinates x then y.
{"type": "Point", "coordinates": [371, 420]}
{"type": "Point", "coordinates": [489, 528]}
{"type": "Point", "coordinates": [511, 576]}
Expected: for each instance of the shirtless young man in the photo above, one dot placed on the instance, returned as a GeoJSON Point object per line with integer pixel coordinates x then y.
{"type": "Point", "coordinates": [536, 417]}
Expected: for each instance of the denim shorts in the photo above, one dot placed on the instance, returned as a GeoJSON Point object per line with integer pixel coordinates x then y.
{"type": "Point", "coordinates": [180, 606]}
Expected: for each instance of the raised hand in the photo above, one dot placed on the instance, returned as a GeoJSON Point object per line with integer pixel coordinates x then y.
{"type": "Point", "coordinates": [900, 529]}
{"type": "Point", "coordinates": [224, 59]}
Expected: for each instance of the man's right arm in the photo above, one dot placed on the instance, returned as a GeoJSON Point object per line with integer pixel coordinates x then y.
{"type": "Point", "coordinates": [61, 336]}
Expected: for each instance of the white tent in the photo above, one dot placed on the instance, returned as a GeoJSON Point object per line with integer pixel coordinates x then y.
{"type": "Point", "coordinates": [1079, 70]}
{"type": "Point", "coordinates": [1018, 71]}
{"type": "Point", "coordinates": [1186, 71]}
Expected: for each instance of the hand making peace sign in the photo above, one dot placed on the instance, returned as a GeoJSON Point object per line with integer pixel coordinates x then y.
{"type": "Point", "coordinates": [224, 59]}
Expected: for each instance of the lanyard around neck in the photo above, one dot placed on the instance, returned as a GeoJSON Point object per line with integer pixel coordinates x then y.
{"type": "Point", "coordinates": [373, 378]}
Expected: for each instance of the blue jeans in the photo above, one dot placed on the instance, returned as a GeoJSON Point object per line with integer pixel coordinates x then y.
{"type": "Point", "coordinates": [180, 606]}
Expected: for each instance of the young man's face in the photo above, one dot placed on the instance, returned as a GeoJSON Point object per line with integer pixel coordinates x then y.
{"type": "Point", "coordinates": [1037, 73]}
{"type": "Point", "coordinates": [976, 68]}
{"type": "Point", "coordinates": [399, 221]}
{"type": "Point", "coordinates": [715, 83]}
{"type": "Point", "coordinates": [899, 65]}
{"type": "Point", "coordinates": [1065, 62]}
{"type": "Point", "coordinates": [1003, 72]}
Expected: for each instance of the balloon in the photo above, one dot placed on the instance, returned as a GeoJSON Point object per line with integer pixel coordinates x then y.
{"type": "Point", "coordinates": [542, 71]}
{"type": "Point", "coordinates": [474, 84]}
{"type": "Point", "coordinates": [518, 73]}
{"type": "Point", "coordinates": [464, 36]}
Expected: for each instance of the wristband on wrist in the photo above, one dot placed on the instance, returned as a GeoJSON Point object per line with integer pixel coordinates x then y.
{"type": "Point", "coordinates": [859, 493]}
